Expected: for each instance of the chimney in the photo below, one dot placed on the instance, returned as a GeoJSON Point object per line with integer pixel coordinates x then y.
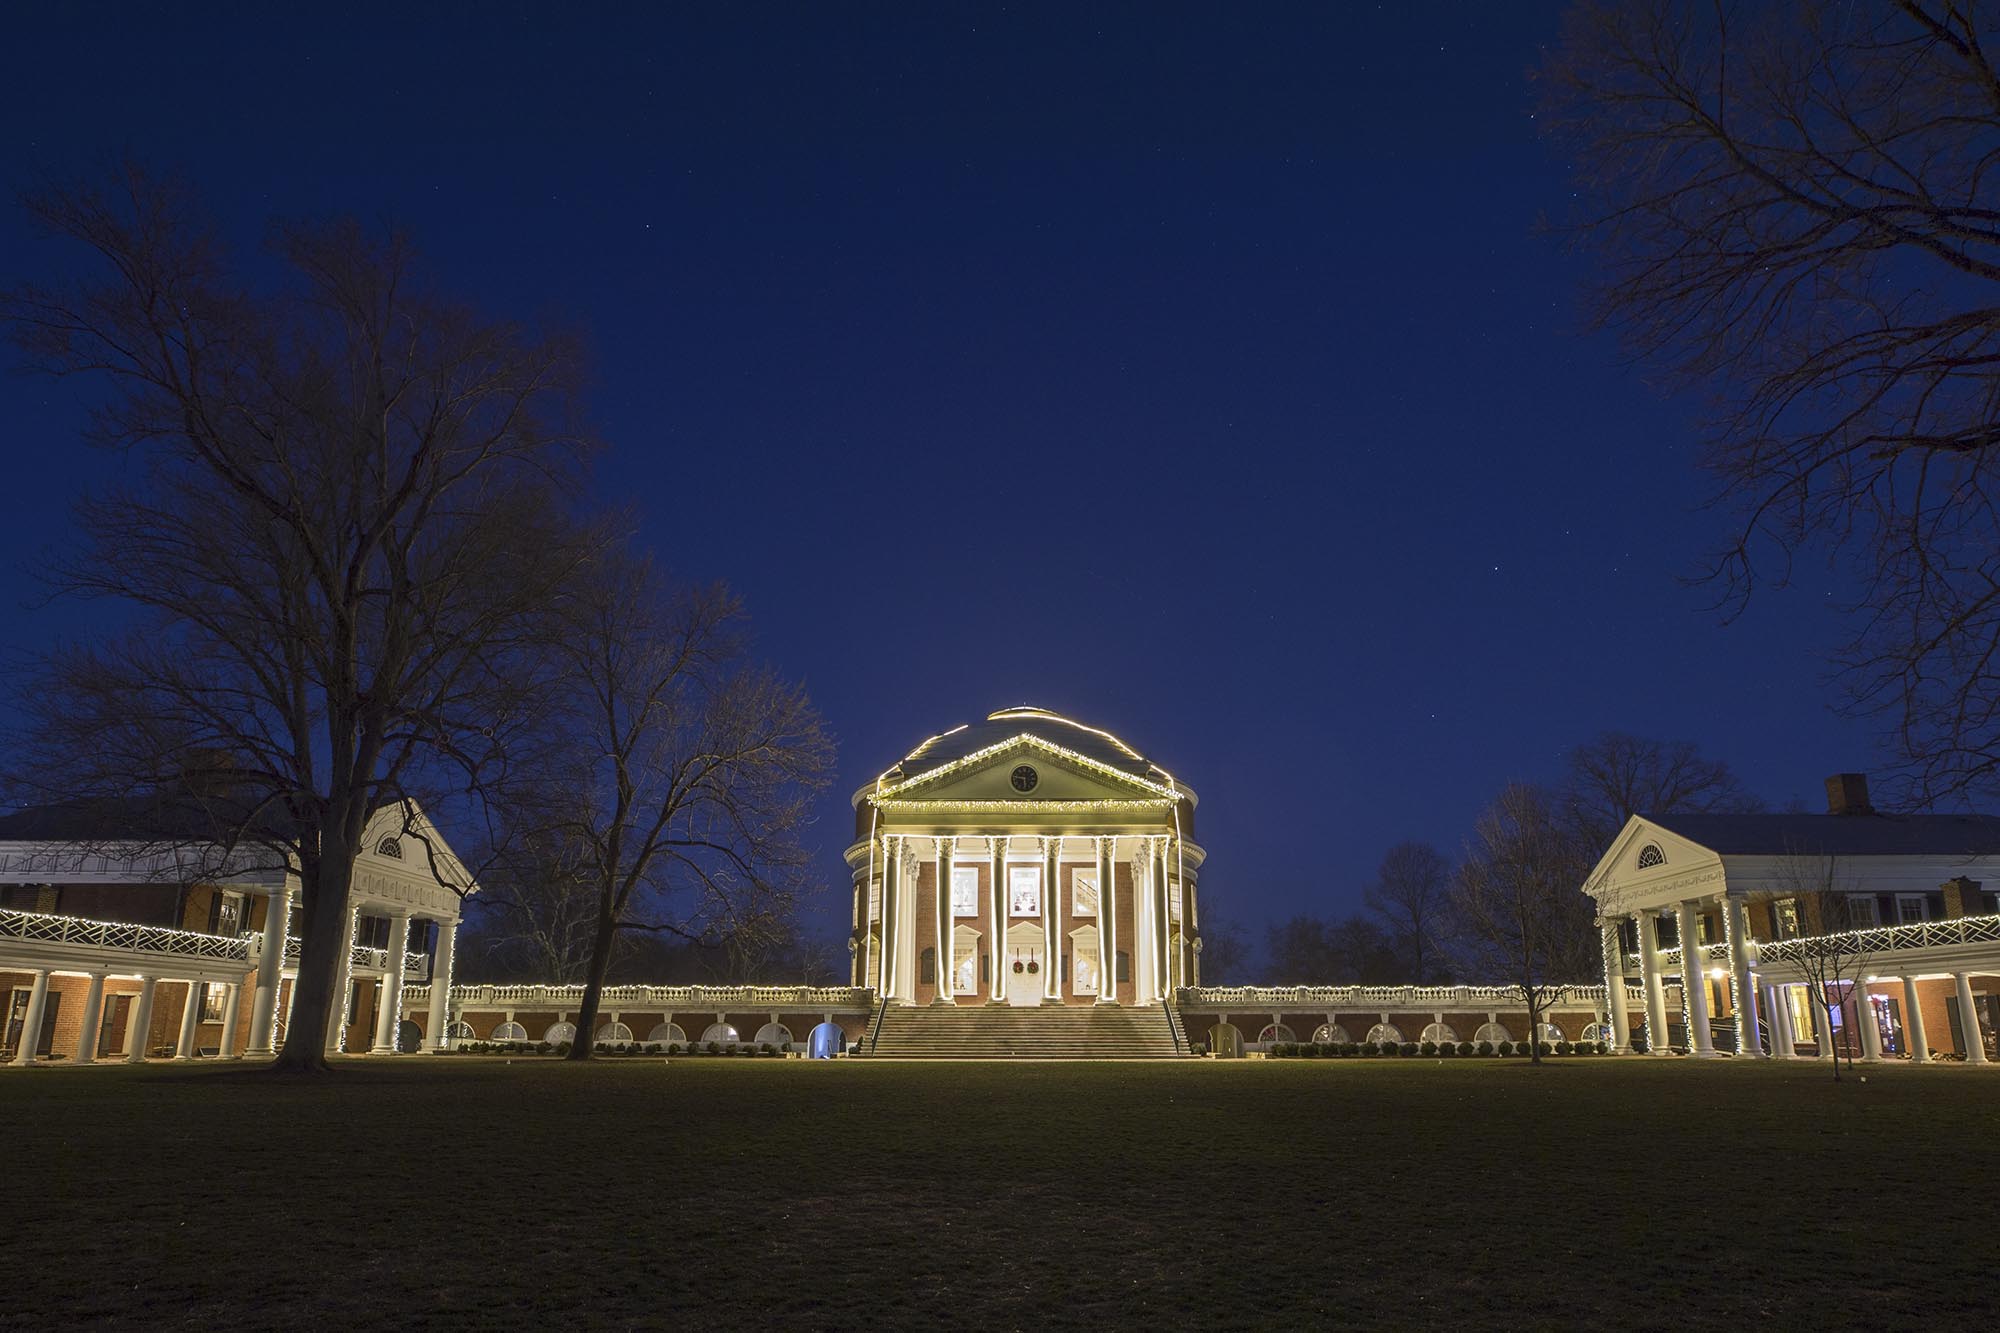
{"type": "Point", "coordinates": [1847, 794]}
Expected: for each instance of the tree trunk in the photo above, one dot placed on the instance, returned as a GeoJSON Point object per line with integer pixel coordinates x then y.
{"type": "Point", "coordinates": [593, 984]}
{"type": "Point", "coordinates": [324, 887]}
{"type": "Point", "coordinates": [1829, 1033]}
{"type": "Point", "coordinates": [1534, 1028]}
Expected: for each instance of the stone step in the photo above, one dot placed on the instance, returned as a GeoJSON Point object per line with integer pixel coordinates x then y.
{"type": "Point", "coordinates": [1002, 1032]}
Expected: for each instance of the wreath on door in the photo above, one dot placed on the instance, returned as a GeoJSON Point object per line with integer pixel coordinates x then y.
{"type": "Point", "coordinates": [1017, 962]}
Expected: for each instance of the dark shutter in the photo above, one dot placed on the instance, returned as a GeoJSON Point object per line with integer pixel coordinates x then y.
{"type": "Point", "coordinates": [927, 966]}
{"type": "Point", "coordinates": [1124, 966]}
{"type": "Point", "coordinates": [1951, 1017]}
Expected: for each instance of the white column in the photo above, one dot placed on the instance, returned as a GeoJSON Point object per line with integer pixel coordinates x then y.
{"type": "Point", "coordinates": [389, 1011]}
{"type": "Point", "coordinates": [1693, 984]}
{"type": "Point", "coordinates": [1913, 1023]}
{"type": "Point", "coordinates": [1163, 924]}
{"type": "Point", "coordinates": [141, 1022]}
{"type": "Point", "coordinates": [31, 1022]}
{"type": "Point", "coordinates": [270, 970]}
{"type": "Point", "coordinates": [190, 1015]}
{"type": "Point", "coordinates": [1107, 962]}
{"type": "Point", "coordinates": [1968, 1021]}
{"type": "Point", "coordinates": [1656, 986]}
{"type": "Point", "coordinates": [1864, 1019]}
{"type": "Point", "coordinates": [945, 923]}
{"type": "Point", "coordinates": [1614, 986]}
{"type": "Point", "coordinates": [343, 995]}
{"type": "Point", "coordinates": [226, 1048]}
{"type": "Point", "coordinates": [996, 934]}
{"type": "Point", "coordinates": [1142, 923]}
{"type": "Point", "coordinates": [1778, 1007]}
{"type": "Point", "coordinates": [1736, 929]}
{"type": "Point", "coordinates": [906, 921]}
{"type": "Point", "coordinates": [1051, 983]}
{"type": "Point", "coordinates": [887, 967]}
{"type": "Point", "coordinates": [437, 1022]}
{"type": "Point", "coordinates": [93, 1013]}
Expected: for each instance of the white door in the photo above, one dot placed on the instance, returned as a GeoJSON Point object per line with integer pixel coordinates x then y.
{"type": "Point", "coordinates": [1024, 960]}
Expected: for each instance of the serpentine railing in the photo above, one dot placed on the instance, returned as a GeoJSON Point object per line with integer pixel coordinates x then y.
{"type": "Point", "coordinates": [1380, 997]}
{"type": "Point", "coordinates": [1883, 939]}
{"type": "Point", "coordinates": [675, 997]}
{"type": "Point", "coordinates": [46, 928]}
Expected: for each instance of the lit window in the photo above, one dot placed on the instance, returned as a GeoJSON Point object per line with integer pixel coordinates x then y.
{"type": "Point", "coordinates": [212, 1000]}
{"type": "Point", "coordinates": [1787, 914]}
{"type": "Point", "coordinates": [1083, 893]}
{"type": "Point", "coordinates": [1024, 891]}
{"type": "Point", "coordinates": [228, 913]}
{"type": "Point", "coordinates": [965, 890]}
{"type": "Point", "coordinates": [1910, 908]}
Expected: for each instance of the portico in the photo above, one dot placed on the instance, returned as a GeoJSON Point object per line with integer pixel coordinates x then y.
{"type": "Point", "coordinates": [1027, 860]}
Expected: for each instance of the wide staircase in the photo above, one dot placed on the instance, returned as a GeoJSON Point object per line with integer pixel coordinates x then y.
{"type": "Point", "coordinates": [1007, 1032]}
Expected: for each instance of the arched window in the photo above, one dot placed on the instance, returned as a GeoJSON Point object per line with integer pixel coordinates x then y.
{"type": "Point", "coordinates": [389, 847]}
{"type": "Point", "coordinates": [560, 1032]}
{"type": "Point", "coordinates": [1650, 855]}
{"type": "Point", "coordinates": [510, 1032]}
{"type": "Point", "coordinates": [774, 1034]}
{"type": "Point", "coordinates": [1330, 1033]}
{"type": "Point", "coordinates": [458, 1030]}
{"type": "Point", "coordinates": [722, 1034]}
{"type": "Point", "coordinates": [1596, 1032]}
{"type": "Point", "coordinates": [1493, 1032]}
{"type": "Point", "coordinates": [617, 1034]}
{"type": "Point", "coordinates": [1275, 1032]}
{"type": "Point", "coordinates": [668, 1032]}
{"type": "Point", "coordinates": [1552, 1034]}
{"type": "Point", "coordinates": [1438, 1032]}
{"type": "Point", "coordinates": [1382, 1032]}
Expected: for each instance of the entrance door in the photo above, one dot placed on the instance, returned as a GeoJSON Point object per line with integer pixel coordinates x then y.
{"type": "Point", "coordinates": [1025, 958]}
{"type": "Point", "coordinates": [117, 1017]}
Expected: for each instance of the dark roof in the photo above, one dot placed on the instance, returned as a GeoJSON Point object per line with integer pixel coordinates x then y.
{"type": "Point", "coordinates": [1006, 723]}
{"type": "Point", "coordinates": [123, 819]}
{"type": "Point", "coordinates": [1838, 835]}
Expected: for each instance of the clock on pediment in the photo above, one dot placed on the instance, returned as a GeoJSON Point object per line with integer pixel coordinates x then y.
{"type": "Point", "coordinates": [1024, 778]}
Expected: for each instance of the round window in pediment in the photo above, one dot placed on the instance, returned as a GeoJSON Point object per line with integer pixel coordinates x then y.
{"type": "Point", "coordinates": [1650, 856]}
{"type": "Point", "coordinates": [1025, 778]}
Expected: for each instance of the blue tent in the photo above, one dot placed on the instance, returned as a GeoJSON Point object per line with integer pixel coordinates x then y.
{"type": "Point", "coordinates": [827, 1041]}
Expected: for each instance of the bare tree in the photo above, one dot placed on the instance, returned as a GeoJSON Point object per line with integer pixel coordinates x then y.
{"type": "Point", "coordinates": [1794, 210]}
{"type": "Point", "coordinates": [346, 520]}
{"type": "Point", "coordinates": [1412, 895]}
{"type": "Point", "coordinates": [680, 773]}
{"type": "Point", "coordinates": [1616, 775]}
{"type": "Point", "coordinates": [1223, 951]}
{"type": "Point", "coordinates": [1517, 898]}
{"type": "Point", "coordinates": [1831, 953]}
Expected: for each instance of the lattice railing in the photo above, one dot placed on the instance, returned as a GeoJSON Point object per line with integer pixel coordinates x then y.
{"type": "Point", "coordinates": [1671, 958]}
{"type": "Point", "coordinates": [1884, 939]}
{"type": "Point", "coordinates": [680, 997]}
{"type": "Point", "coordinates": [362, 956]}
{"type": "Point", "coordinates": [46, 928]}
{"type": "Point", "coordinates": [1377, 997]}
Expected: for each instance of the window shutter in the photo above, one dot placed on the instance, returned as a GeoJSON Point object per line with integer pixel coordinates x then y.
{"type": "Point", "coordinates": [1951, 1016]}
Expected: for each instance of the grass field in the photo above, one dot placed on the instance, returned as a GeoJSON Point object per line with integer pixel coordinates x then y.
{"type": "Point", "coordinates": [448, 1193]}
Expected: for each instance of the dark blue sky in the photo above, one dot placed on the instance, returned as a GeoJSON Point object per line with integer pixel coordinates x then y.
{"type": "Point", "coordinates": [1199, 373]}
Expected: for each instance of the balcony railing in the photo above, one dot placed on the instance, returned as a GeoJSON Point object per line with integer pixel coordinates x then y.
{"type": "Point", "coordinates": [676, 997]}
{"type": "Point", "coordinates": [362, 956]}
{"type": "Point", "coordinates": [1377, 997]}
{"type": "Point", "coordinates": [45, 928]}
{"type": "Point", "coordinates": [1670, 959]}
{"type": "Point", "coordinates": [1884, 939]}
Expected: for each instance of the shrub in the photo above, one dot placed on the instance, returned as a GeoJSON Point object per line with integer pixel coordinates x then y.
{"type": "Point", "coordinates": [714, 1048]}
{"type": "Point", "coordinates": [1466, 1048]}
{"type": "Point", "coordinates": [1505, 1048]}
{"type": "Point", "coordinates": [1430, 1048]}
{"type": "Point", "coordinates": [562, 1047]}
{"type": "Point", "coordinates": [1562, 1048]}
{"type": "Point", "coordinates": [1197, 1048]}
{"type": "Point", "coordinates": [1603, 1048]}
{"type": "Point", "coordinates": [673, 1048]}
{"type": "Point", "coordinates": [652, 1048]}
{"type": "Point", "coordinates": [1447, 1048]}
{"type": "Point", "coordinates": [545, 1047]}
{"type": "Point", "coordinates": [767, 1049]}
{"type": "Point", "coordinates": [1389, 1048]}
{"type": "Point", "coordinates": [1329, 1049]}
{"type": "Point", "coordinates": [1484, 1048]}
{"type": "Point", "coordinates": [1354, 1048]}
{"type": "Point", "coordinates": [1409, 1048]}
{"type": "Point", "coordinates": [785, 1046]}
{"type": "Point", "coordinates": [602, 1048]}
{"type": "Point", "coordinates": [1542, 1048]}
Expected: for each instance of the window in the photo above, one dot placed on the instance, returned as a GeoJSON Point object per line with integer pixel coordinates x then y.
{"type": "Point", "coordinates": [226, 916]}
{"type": "Point", "coordinates": [389, 847]}
{"type": "Point", "coordinates": [1083, 892]}
{"type": "Point", "coordinates": [1024, 891]}
{"type": "Point", "coordinates": [1785, 913]}
{"type": "Point", "coordinates": [927, 967]}
{"type": "Point", "coordinates": [965, 890]}
{"type": "Point", "coordinates": [964, 963]}
{"type": "Point", "coordinates": [1910, 908]}
{"type": "Point", "coordinates": [212, 1001]}
{"type": "Point", "coordinates": [1650, 856]}
{"type": "Point", "coordinates": [1863, 910]}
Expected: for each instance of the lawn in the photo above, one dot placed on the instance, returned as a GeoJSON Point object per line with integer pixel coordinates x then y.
{"type": "Point", "coordinates": [458, 1192]}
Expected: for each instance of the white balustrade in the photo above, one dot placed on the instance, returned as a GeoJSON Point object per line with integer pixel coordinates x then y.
{"type": "Point", "coordinates": [42, 927]}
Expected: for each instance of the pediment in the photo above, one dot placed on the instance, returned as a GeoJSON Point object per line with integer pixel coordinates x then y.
{"type": "Point", "coordinates": [1647, 865]}
{"type": "Point", "coordinates": [1059, 775]}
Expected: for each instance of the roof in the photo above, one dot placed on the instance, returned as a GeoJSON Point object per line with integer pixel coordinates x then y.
{"type": "Point", "coordinates": [1004, 724]}
{"type": "Point", "coordinates": [1838, 835]}
{"type": "Point", "coordinates": [122, 819]}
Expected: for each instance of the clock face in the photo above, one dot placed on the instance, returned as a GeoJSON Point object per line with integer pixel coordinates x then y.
{"type": "Point", "coordinates": [1024, 778]}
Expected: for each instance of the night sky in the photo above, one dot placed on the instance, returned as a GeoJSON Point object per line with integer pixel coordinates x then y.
{"type": "Point", "coordinates": [1198, 373]}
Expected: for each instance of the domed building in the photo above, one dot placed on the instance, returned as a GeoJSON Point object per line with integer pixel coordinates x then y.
{"type": "Point", "coordinates": [1027, 860]}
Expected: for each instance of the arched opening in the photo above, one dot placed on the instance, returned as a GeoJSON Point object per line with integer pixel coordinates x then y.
{"type": "Point", "coordinates": [1275, 1032]}
{"type": "Point", "coordinates": [827, 1041]}
{"type": "Point", "coordinates": [615, 1034]}
{"type": "Point", "coordinates": [774, 1035]}
{"type": "Point", "coordinates": [510, 1032]}
{"type": "Point", "coordinates": [1330, 1034]}
{"type": "Point", "coordinates": [560, 1032]}
{"type": "Point", "coordinates": [1493, 1032]}
{"type": "Point", "coordinates": [409, 1037]}
{"type": "Point", "coordinates": [1084, 970]}
{"type": "Point", "coordinates": [1225, 1041]}
{"type": "Point", "coordinates": [1439, 1032]}
{"type": "Point", "coordinates": [1382, 1032]}
{"type": "Point", "coordinates": [722, 1034]}
{"type": "Point", "coordinates": [1596, 1032]}
{"type": "Point", "coordinates": [668, 1032]}
{"type": "Point", "coordinates": [457, 1031]}
{"type": "Point", "coordinates": [964, 961]}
